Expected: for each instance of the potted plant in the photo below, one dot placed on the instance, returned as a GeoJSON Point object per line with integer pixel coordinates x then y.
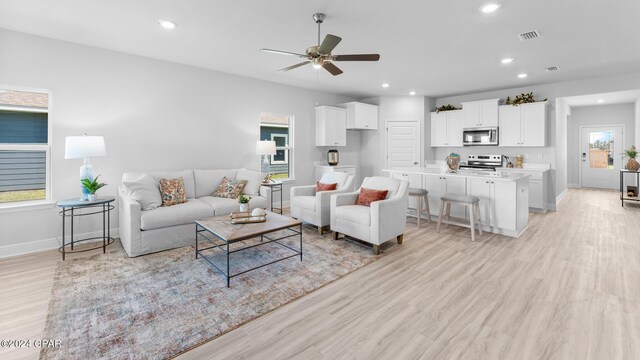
{"type": "Point", "coordinates": [92, 186]}
{"type": "Point", "coordinates": [632, 164]}
{"type": "Point", "coordinates": [447, 107]}
{"type": "Point", "coordinates": [524, 98]}
{"type": "Point", "coordinates": [244, 203]}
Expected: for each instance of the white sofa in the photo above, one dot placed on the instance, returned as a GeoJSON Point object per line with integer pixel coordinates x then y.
{"type": "Point", "coordinates": [313, 207]}
{"type": "Point", "coordinates": [147, 231]}
{"type": "Point", "coordinates": [375, 224]}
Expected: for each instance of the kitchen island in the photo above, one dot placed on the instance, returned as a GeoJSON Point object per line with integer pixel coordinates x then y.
{"type": "Point", "coordinates": [504, 197]}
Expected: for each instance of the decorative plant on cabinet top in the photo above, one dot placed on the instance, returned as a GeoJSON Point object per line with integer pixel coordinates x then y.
{"type": "Point", "coordinates": [447, 107]}
{"type": "Point", "coordinates": [524, 98]}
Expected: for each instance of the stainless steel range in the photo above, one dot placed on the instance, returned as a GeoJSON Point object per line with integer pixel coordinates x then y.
{"type": "Point", "coordinates": [483, 162]}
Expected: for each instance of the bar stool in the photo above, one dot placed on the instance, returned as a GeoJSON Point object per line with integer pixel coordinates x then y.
{"type": "Point", "coordinates": [421, 194]}
{"type": "Point", "coordinates": [470, 201]}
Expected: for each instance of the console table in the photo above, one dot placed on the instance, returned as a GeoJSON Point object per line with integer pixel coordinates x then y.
{"type": "Point", "coordinates": [71, 209]}
{"type": "Point", "coordinates": [623, 193]}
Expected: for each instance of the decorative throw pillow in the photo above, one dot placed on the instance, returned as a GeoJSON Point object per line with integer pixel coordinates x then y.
{"type": "Point", "coordinates": [230, 189]}
{"type": "Point", "coordinates": [172, 191]}
{"type": "Point", "coordinates": [367, 196]}
{"type": "Point", "coordinates": [325, 187]}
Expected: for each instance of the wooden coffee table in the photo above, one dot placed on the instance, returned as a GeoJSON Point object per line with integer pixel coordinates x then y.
{"type": "Point", "coordinates": [221, 233]}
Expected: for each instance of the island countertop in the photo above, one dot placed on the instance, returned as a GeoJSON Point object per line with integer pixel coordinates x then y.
{"type": "Point", "coordinates": [470, 174]}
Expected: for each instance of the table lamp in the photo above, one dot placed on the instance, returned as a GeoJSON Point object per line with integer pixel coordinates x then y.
{"type": "Point", "coordinates": [84, 147]}
{"type": "Point", "coordinates": [265, 148]}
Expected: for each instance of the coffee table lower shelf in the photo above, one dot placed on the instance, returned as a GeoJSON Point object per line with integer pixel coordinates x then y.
{"type": "Point", "coordinates": [203, 232]}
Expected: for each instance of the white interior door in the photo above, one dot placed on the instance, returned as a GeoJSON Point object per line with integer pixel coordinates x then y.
{"type": "Point", "coordinates": [600, 156]}
{"type": "Point", "coordinates": [403, 144]}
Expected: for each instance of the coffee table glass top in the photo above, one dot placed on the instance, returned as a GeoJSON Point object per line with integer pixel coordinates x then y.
{"type": "Point", "coordinates": [222, 227]}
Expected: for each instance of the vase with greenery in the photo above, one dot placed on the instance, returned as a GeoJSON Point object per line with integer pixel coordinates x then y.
{"type": "Point", "coordinates": [632, 164]}
{"type": "Point", "coordinates": [524, 98]}
{"type": "Point", "coordinates": [244, 203]}
{"type": "Point", "coordinates": [447, 107]}
{"type": "Point", "coordinates": [92, 186]}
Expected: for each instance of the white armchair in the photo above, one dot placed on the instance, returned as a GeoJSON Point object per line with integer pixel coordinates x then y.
{"type": "Point", "coordinates": [313, 207]}
{"type": "Point", "coordinates": [375, 224]}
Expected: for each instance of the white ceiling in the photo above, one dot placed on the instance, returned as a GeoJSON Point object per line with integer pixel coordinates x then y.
{"type": "Point", "coordinates": [618, 97]}
{"type": "Point", "coordinates": [435, 47]}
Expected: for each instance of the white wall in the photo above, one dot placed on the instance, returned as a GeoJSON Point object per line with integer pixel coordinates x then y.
{"type": "Point", "coordinates": [618, 114]}
{"type": "Point", "coordinates": [155, 115]}
{"type": "Point", "coordinates": [556, 124]}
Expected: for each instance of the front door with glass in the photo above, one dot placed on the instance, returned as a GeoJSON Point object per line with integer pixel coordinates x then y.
{"type": "Point", "coordinates": [600, 156]}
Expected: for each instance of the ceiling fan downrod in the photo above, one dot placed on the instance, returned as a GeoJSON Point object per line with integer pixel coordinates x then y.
{"type": "Point", "coordinates": [318, 18]}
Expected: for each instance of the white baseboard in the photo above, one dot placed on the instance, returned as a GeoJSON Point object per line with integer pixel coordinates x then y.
{"type": "Point", "coordinates": [573, 186]}
{"type": "Point", "coordinates": [45, 244]}
{"type": "Point", "coordinates": [558, 199]}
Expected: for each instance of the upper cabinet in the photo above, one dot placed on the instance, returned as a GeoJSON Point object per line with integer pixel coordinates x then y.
{"type": "Point", "coordinates": [481, 113]}
{"type": "Point", "coordinates": [446, 128]}
{"type": "Point", "coordinates": [361, 116]}
{"type": "Point", "coordinates": [523, 125]}
{"type": "Point", "coordinates": [331, 126]}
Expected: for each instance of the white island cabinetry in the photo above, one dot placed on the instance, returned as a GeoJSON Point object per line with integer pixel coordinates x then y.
{"type": "Point", "coordinates": [504, 198]}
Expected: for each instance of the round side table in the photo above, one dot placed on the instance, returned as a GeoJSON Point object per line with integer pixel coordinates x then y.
{"type": "Point", "coordinates": [70, 209]}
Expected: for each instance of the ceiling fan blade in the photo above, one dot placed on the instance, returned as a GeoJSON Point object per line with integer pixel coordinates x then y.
{"type": "Point", "coordinates": [295, 66]}
{"type": "Point", "coordinates": [357, 57]}
{"type": "Point", "coordinates": [334, 70]}
{"type": "Point", "coordinates": [284, 53]}
{"type": "Point", "coordinates": [329, 43]}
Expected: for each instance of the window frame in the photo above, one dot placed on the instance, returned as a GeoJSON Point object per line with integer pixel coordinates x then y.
{"type": "Point", "coordinates": [47, 202]}
{"type": "Point", "coordinates": [289, 148]}
{"type": "Point", "coordinates": [283, 148]}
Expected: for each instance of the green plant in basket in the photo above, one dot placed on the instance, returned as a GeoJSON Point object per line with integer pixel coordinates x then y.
{"type": "Point", "coordinates": [92, 186]}
{"type": "Point", "coordinates": [242, 199]}
{"type": "Point", "coordinates": [631, 153]}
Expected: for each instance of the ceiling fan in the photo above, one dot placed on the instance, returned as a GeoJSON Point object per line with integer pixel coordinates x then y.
{"type": "Point", "coordinates": [320, 56]}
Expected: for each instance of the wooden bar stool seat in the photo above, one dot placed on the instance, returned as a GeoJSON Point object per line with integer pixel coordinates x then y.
{"type": "Point", "coordinates": [421, 194]}
{"type": "Point", "coordinates": [470, 201]}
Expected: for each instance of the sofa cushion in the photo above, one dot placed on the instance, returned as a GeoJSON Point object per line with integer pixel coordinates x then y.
{"type": "Point", "coordinates": [144, 190]}
{"type": "Point", "coordinates": [230, 188]}
{"type": "Point", "coordinates": [382, 183]}
{"type": "Point", "coordinates": [179, 214]}
{"type": "Point", "coordinates": [254, 179]}
{"type": "Point", "coordinates": [305, 202]}
{"type": "Point", "coordinates": [172, 191]}
{"type": "Point", "coordinates": [224, 206]}
{"type": "Point", "coordinates": [207, 181]}
{"type": "Point", "coordinates": [186, 175]}
{"type": "Point", "coordinates": [355, 213]}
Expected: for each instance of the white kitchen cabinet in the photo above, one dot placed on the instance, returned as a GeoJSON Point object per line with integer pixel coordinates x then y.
{"type": "Point", "coordinates": [361, 116]}
{"type": "Point", "coordinates": [481, 113]}
{"type": "Point", "coordinates": [331, 126]}
{"type": "Point", "coordinates": [415, 181]}
{"type": "Point", "coordinates": [537, 187]}
{"type": "Point", "coordinates": [523, 125]}
{"type": "Point", "coordinates": [446, 128]}
{"type": "Point", "coordinates": [499, 202]}
{"type": "Point", "coordinates": [440, 184]}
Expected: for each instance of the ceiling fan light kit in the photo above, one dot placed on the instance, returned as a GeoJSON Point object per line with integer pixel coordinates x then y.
{"type": "Point", "coordinates": [320, 56]}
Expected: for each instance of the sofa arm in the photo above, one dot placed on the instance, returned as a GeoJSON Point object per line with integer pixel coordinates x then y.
{"type": "Point", "coordinates": [129, 212]}
{"type": "Point", "coordinates": [388, 219]}
{"type": "Point", "coordinates": [309, 190]}
{"type": "Point", "coordinates": [344, 199]}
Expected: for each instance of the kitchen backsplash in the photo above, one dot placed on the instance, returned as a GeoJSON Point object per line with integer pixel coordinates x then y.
{"type": "Point", "coordinates": [532, 155]}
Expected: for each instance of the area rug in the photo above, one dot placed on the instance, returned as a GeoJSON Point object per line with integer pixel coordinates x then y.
{"type": "Point", "coordinates": [110, 306]}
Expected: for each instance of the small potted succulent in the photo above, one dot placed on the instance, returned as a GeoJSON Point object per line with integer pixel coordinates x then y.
{"type": "Point", "coordinates": [244, 203]}
{"type": "Point", "coordinates": [92, 186]}
{"type": "Point", "coordinates": [632, 164]}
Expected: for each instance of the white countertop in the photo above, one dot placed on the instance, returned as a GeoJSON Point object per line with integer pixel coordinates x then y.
{"type": "Point", "coordinates": [461, 173]}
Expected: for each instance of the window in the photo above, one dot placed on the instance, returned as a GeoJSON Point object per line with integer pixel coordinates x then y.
{"type": "Point", "coordinates": [601, 145]}
{"type": "Point", "coordinates": [24, 146]}
{"type": "Point", "coordinates": [279, 128]}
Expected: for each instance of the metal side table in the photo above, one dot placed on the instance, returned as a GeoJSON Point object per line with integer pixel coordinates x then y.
{"type": "Point", "coordinates": [71, 209]}
{"type": "Point", "coordinates": [275, 187]}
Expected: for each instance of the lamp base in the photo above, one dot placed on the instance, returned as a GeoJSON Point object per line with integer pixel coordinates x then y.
{"type": "Point", "coordinates": [86, 172]}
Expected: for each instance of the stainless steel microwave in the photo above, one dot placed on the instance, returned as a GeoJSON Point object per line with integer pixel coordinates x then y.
{"type": "Point", "coordinates": [480, 136]}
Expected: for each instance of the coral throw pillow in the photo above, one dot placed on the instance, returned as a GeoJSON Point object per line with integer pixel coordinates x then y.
{"type": "Point", "coordinates": [325, 187]}
{"type": "Point", "coordinates": [367, 196]}
{"type": "Point", "coordinates": [230, 189]}
{"type": "Point", "coordinates": [172, 191]}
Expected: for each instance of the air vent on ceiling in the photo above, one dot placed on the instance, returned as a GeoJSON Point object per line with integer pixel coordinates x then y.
{"type": "Point", "coordinates": [552, 68]}
{"type": "Point", "coordinates": [529, 35]}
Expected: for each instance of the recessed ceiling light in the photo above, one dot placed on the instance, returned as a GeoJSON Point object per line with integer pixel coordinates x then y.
{"type": "Point", "coordinates": [167, 24]}
{"type": "Point", "coordinates": [522, 76]}
{"type": "Point", "coordinates": [412, 93]}
{"type": "Point", "coordinates": [489, 8]}
{"type": "Point", "coordinates": [600, 101]}
{"type": "Point", "coordinates": [507, 60]}
{"type": "Point", "coordinates": [385, 85]}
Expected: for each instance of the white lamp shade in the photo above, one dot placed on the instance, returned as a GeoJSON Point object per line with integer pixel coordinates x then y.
{"type": "Point", "coordinates": [266, 147]}
{"type": "Point", "coordinates": [77, 147]}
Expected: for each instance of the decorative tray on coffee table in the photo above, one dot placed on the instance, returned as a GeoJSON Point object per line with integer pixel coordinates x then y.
{"type": "Point", "coordinates": [246, 218]}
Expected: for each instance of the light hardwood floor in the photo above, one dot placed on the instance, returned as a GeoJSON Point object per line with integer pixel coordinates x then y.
{"type": "Point", "coordinates": [569, 288]}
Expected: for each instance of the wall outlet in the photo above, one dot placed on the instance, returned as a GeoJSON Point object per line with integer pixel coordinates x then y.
{"type": "Point", "coordinates": [539, 156]}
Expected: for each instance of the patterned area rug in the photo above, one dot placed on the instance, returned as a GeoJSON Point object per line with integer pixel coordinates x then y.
{"type": "Point", "coordinates": [157, 306]}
